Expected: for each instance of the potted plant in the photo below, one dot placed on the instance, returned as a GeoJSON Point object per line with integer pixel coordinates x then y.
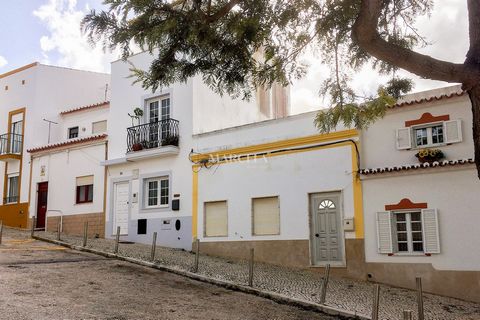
{"type": "Point", "coordinates": [137, 115]}
{"type": "Point", "coordinates": [429, 155]}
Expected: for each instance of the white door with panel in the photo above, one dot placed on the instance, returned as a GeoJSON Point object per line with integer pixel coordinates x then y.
{"type": "Point", "coordinates": [326, 229]}
{"type": "Point", "coordinates": [121, 207]}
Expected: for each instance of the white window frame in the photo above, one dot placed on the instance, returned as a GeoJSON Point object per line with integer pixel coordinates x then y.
{"type": "Point", "coordinates": [78, 132]}
{"type": "Point", "coordinates": [159, 192]}
{"type": "Point", "coordinates": [409, 232]}
{"type": "Point", "coordinates": [429, 127]}
{"type": "Point", "coordinates": [161, 116]}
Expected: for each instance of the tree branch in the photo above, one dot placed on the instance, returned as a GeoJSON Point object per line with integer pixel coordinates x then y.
{"type": "Point", "coordinates": [473, 55]}
{"type": "Point", "coordinates": [223, 10]}
{"type": "Point", "coordinates": [365, 34]}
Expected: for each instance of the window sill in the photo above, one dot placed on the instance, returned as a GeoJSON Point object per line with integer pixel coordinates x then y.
{"type": "Point", "coordinates": [409, 254]}
{"type": "Point", "coordinates": [80, 203]}
{"type": "Point", "coordinates": [429, 146]}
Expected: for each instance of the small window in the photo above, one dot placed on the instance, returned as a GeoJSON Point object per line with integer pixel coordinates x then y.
{"type": "Point", "coordinates": [156, 192]}
{"type": "Point", "coordinates": [99, 127]}
{"type": "Point", "coordinates": [12, 188]}
{"type": "Point", "coordinates": [84, 189]}
{"type": "Point", "coordinates": [266, 216]}
{"type": "Point", "coordinates": [73, 133]}
{"type": "Point", "coordinates": [429, 136]}
{"type": "Point", "coordinates": [408, 230]}
{"type": "Point", "coordinates": [142, 226]}
{"type": "Point", "coordinates": [216, 219]}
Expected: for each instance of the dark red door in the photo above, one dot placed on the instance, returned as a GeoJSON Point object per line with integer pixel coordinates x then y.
{"type": "Point", "coordinates": [42, 204]}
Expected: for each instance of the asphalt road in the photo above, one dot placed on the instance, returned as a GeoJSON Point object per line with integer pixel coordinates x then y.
{"type": "Point", "coordinates": [45, 281]}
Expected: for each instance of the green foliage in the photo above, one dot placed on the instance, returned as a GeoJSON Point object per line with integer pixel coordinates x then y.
{"type": "Point", "coordinates": [352, 114]}
{"type": "Point", "coordinates": [238, 45]}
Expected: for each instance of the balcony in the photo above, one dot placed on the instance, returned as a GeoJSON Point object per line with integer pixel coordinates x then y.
{"type": "Point", "coordinates": [11, 146]}
{"type": "Point", "coordinates": [161, 135]}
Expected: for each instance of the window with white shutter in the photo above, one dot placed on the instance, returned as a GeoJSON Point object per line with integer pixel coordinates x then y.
{"type": "Point", "coordinates": [453, 131]}
{"type": "Point", "coordinates": [404, 138]}
{"type": "Point", "coordinates": [265, 216]}
{"type": "Point", "coordinates": [384, 232]}
{"type": "Point", "coordinates": [430, 231]}
{"type": "Point", "coordinates": [99, 127]}
{"type": "Point", "coordinates": [216, 219]}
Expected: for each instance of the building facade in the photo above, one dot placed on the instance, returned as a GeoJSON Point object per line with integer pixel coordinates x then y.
{"type": "Point", "coordinates": [283, 189]}
{"type": "Point", "coordinates": [421, 218]}
{"type": "Point", "coordinates": [149, 169]}
{"type": "Point", "coordinates": [71, 168]}
{"type": "Point", "coordinates": [28, 96]}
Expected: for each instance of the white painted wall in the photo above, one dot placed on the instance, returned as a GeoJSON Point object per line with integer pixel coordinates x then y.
{"type": "Point", "coordinates": [84, 120]}
{"type": "Point", "coordinates": [379, 141]}
{"type": "Point", "coordinates": [61, 170]}
{"type": "Point", "coordinates": [291, 177]}
{"type": "Point", "coordinates": [47, 91]}
{"type": "Point", "coordinates": [452, 192]}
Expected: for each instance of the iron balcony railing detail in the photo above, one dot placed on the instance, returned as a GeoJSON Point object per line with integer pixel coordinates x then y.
{"type": "Point", "coordinates": [11, 143]}
{"type": "Point", "coordinates": [153, 135]}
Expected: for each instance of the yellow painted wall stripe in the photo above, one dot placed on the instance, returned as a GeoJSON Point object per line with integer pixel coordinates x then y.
{"type": "Point", "coordinates": [345, 134]}
{"type": "Point", "coordinates": [356, 183]}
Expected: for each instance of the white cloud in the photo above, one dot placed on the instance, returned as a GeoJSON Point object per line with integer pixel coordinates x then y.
{"type": "Point", "coordinates": [3, 61]}
{"type": "Point", "coordinates": [65, 45]}
{"type": "Point", "coordinates": [446, 29]}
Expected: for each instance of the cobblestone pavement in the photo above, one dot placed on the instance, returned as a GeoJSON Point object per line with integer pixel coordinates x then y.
{"type": "Point", "coordinates": [347, 294]}
{"type": "Point", "coordinates": [44, 281]}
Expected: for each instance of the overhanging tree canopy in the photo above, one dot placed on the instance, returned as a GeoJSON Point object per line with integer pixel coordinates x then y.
{"type": "Point", "coordinates": [220, 40]}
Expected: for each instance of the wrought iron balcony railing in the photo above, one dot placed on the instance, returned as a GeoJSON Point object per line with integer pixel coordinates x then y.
{"type": "Point", "coordinates": [153, 135]}
{"type": "Point", "coordinates": [11, 143]}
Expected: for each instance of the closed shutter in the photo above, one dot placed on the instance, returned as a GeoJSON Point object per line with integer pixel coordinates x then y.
{"type": "Point", "coordinates": [266, 216]}
{"type": "Point", "coordinates": [99, 127]}
{"type": "Point", "coordinates": [216, 221]}
{"type": "Point", "coordinates": [84, 181]}
{"type": "Point", "coordinates": [453, 131]}
{"type": "Point", "coordinates": [404, 139]}
{"type": "Point", "coordinates": [431, 236]}
{"type": "Point", "coordinates": [384, 232]}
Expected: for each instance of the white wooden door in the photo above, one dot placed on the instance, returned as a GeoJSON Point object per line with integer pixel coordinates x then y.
{"type": "Point", "coordinates": [121, 207]}
{"type": "Point", "coordinates": [327, 235]}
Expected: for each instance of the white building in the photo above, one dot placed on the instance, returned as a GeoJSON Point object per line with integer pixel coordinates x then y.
{"type": "Point", "coordinates": [29, 95]}
{"type": "Point", "coordinates": [149, 171]}
{"type": "Point", "coordinates": [67, 174]}
{"type": "Point", "coordinates": [283, 189]}
{"type": "Point", "coordinates": [422, 219]}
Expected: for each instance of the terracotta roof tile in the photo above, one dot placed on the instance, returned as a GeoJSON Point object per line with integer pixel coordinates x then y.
{"type": "Point", "coordinates": [67, 143]}
{"type": "Point", "coordinates": [83, 108]}
{"type": "Point", "coordinates": [429, 99]}
{"type": "Point", "coordinates": [436, 164]}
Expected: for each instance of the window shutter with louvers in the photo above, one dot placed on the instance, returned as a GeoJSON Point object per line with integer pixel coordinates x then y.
{"type": "Point", "coordinates": [404, 138]}
{"type": "Point", "coordinates": [384, 232]}
{"type": "Point", "coordinates": [453, 131]}
{"type": "Point", "coordinates": [431, 236]}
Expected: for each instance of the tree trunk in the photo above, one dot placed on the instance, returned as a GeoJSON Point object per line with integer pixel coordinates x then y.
{"type": "Point", "coordinates": [474, 94]}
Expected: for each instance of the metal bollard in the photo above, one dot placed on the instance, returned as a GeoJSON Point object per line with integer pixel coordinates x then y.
{"type": "Point", "coordinates": [117, 239]}
{"type": "Point", "coordinates": [154, 246]}
{"type": "Point", "coordinates": [407, 315]}
{"type": "Point", "coordinates": [250, 267]}
{"type": "Point", "coordinates": [326, 277]}
{"type": "Point", "coordinates": [59, 228]}
{"type": "Point", "coordinates": [376, 302]}
{"type": "Point", "coordinates": [197, 253]}
{"type": "Point", "coordinates": [34, 222]}
{"type": "Point", "coordinates": [1, 230]}
{"type": "Point", "coordinates": [85, 233]}
{"type": "Point", "coordinates": [421, 315]}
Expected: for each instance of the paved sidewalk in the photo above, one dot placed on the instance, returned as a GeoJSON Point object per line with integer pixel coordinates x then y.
{"type": "Point", "coordinates": [347, 294]}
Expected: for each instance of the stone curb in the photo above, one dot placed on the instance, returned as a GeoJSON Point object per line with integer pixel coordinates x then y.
{"type": "Point", "coordinates": [332, 311]}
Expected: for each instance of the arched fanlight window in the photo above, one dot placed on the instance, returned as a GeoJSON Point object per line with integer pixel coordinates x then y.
{"type": "Point", "coordinates": [326, 204]}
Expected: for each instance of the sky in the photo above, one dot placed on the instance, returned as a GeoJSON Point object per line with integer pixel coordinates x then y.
{"type": "Point", "coordinates": [48, 31]}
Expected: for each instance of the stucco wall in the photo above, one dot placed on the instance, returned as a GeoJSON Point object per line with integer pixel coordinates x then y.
{"type": "Point", "coordinates": [452, 193]}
